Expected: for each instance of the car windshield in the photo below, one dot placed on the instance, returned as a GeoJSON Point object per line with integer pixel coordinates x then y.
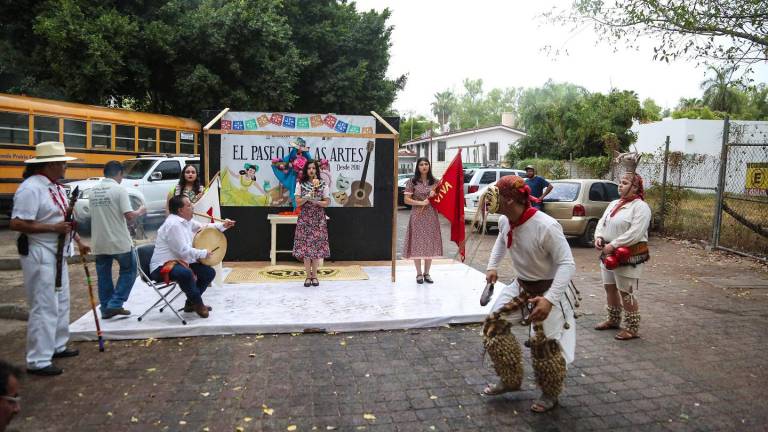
{"type": "Point", "coordinates": [468, 175]}
{"type": "Point", "coordinates": [135, 169]}
{"type": "Point", "coordinates": [562, 191]}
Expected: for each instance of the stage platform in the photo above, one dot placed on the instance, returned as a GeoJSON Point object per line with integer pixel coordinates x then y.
{"type": "Point", "coordinates": [334, 306]}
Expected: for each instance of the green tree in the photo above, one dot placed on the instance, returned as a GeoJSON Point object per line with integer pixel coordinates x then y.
{"type": "Point", "coordinates": [414, 127]}
{"type": "Point", "coordinates": [721, 91]}
{"type": "Point", "coordinates": [731, 31]}
{"type": "Point", "coordinates": [444, 106]}
{"type": "Point", "coordinates": [651, 111]}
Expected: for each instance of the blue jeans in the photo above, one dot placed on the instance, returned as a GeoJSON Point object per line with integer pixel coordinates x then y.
{"type": "Point", "coordinates": [111, 296]}
{"type": "Point", "coordinates": [194, 289]}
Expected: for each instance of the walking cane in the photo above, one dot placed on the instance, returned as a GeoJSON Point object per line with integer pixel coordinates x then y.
{"type": "Point", "coordinates": [93, 301]}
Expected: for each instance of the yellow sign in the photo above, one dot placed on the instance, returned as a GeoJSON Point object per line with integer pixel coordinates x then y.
{"type": "Point", "coordinates": [757, 179]}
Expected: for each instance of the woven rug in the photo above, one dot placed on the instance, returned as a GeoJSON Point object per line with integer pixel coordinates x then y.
{"type": "Point", "coordinates": [282, 273]}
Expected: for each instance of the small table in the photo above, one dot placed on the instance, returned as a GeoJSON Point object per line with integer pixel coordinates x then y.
{"type": "Point", "coordinates": [275, 220]}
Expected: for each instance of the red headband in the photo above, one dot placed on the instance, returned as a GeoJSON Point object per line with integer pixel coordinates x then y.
{"type": "Point", "coordinates": [514, 187]}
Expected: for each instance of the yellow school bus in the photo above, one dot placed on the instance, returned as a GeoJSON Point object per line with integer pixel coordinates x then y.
{"type": "Point", "coordinates": [93, 134]}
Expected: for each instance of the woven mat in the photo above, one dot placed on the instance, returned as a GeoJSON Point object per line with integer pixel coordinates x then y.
{"type": "Point", "coordinates": [282, 273]}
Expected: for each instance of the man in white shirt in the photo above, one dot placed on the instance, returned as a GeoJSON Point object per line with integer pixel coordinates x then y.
{"type": "Point", "coordinates": [542, 259]}
{"type": "Point", "coordinates": [175, 258]}
{"type": "Point", "coordinates": [110, 209]}
{"type": "Point", "coordinates": [39, 209]}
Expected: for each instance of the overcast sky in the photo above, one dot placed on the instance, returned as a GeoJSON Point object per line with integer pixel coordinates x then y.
{"type": "Point", "coordinates": [439, 43]}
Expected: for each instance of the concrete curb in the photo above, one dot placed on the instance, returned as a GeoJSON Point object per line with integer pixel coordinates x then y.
{"type": "Point", "coordinates": [9, 263]}
{"type": "Point", "coordinates": [13, 311]}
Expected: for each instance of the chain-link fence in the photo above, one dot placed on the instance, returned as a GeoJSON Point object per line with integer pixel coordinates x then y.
{"type": "Point", "coordinates": [741, 217]}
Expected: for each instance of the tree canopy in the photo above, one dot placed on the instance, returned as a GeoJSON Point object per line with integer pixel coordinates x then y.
{"type": "Point", "coordinates": [730, 31]}
{"type": "Point", "coordinates": [183, 56]}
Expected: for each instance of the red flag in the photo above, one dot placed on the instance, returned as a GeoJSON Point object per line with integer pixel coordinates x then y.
{"type": "Point", "coordinates": [449, 200]}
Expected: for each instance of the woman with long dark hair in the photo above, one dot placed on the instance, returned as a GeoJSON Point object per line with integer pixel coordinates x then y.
{"type": "Point", "coordinates": [423, 240]}
{"type": "Point", "coordinates": [310, 243]}
{"type": "Point", "coordinates": [189, 184]}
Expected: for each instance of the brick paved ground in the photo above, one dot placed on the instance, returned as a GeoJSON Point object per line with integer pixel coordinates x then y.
{"type": "Point", "coordinates": [701, 365]}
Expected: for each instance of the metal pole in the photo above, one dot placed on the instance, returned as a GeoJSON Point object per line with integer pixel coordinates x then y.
{"type": "Point", "coordinates": [663, 208]}
{"type": "Point", "coordinates": [718, 219]}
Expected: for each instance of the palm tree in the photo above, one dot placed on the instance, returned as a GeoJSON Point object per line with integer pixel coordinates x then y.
{"type": "Point", "coordinates": [721, 92]}
{"type": "Point", "coordinates": [444, 106]}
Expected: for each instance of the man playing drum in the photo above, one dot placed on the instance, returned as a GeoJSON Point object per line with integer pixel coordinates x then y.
{"type": "Point", "coordinates": [175, 258]}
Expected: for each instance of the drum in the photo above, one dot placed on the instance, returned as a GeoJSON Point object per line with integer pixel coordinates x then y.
{"type": "Point", "coordinates": [213, 240]}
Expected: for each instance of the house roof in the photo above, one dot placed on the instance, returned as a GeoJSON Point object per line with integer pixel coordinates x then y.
{"type": "Point", "coordinates": [461, 132]}
{"type": "Point", "coordinates": [404, 152]}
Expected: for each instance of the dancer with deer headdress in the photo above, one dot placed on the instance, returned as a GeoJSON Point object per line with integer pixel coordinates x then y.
{"type": "Point", "coordinates": [542, 259]}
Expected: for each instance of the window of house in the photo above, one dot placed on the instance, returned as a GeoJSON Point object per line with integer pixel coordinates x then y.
{"type": "Point", "coordinates": [187, 142]}
{"type": "Point", "coordinates": [101, 135]}
{"type": "Point", "coordinates": [46, 129]}
{"type": "Point", "coordinates": [147, 140]}
{"type": "Point", "coordinates": [75, 132]}
{"type": "Point", "coordinates": [488, 177]}
{"type": "Point", "coordinates": [493, 151]}
{"type": "Point", "coordinates": [167, 141]}
{"type": "Point", "coordinates": [425, 147]}
{"type": "Point", "coordinates": [14, 128]}
{"type": "Point", "coordinates": [124, 137]}
{"type": "Point", "coordinates": [441, 151]}
{"type": "Point", "coordinates": [171, 170]}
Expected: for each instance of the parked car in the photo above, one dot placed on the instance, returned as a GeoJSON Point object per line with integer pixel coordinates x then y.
{"type": "Point", "coordinates": [155, 176]}
{"type": "Point", "coordinates": [402, 180]}
{"type": "Point", "coordinates": [82, 211]}
{"type": "Point", "coordinates": [576, 204]}
{"type": "Point", "coordinates": [579, 204]}
{"type": "Point", "coordinates": [479, 178]}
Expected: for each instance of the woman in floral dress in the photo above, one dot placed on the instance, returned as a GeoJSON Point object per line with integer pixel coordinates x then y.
{"type": "Point", "coordinates": [189, 185]}
{"type": "Point", "coordinates": [423, 240]}
{"type": "Point", "coordinates": [311, 240]}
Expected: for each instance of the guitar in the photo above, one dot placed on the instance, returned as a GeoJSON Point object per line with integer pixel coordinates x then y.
{"type": "Point", "coordinates": [360, 193]}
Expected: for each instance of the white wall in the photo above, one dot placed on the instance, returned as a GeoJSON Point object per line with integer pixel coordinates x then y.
{"type": "Point", "coordinates": [706, 135]}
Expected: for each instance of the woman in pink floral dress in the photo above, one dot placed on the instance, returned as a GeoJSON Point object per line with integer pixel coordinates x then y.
{"type": "Point", "coordinates": [311, 240]}
{"type": "Point", "coordinates": [423, 240]}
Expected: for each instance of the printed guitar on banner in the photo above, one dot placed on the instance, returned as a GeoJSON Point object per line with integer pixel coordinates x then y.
{"type": "Point", "coordinates": [262, 170]}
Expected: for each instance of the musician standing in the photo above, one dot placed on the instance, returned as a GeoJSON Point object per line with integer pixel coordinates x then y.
{"type": "Point", "coordinates": [110, 209]}
{"type": "Point", "coordinates": [39, 210]}
{"type": "Point", "coordinates": [175, 259]}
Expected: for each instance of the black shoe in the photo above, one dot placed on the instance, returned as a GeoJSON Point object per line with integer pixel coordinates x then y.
{"type": "Point", "coordinates": [66, 353]}
{"type": "Point", "coordinates": [114, 312]}
{"type": "Point", "coordinates": [189, 307]}
{"type": "Point", "coordinates": [49, 370]}
{"type": "Point", "coordinates": [428, 279]}
{"type": "Point", "coordinates": [487, 294]}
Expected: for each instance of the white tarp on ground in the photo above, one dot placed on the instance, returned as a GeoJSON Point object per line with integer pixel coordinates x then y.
{"type": "Point", "coordinates": [341, 306]}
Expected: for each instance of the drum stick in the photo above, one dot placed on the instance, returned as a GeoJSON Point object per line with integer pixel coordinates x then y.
{"type": "Point", "coordinates": [203, 215]}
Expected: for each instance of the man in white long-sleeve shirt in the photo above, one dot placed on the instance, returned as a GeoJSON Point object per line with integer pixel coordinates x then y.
{"type": "Point", "coordinates": [542, 259]}
{"type": "Point", "coordinates": [174, 257]}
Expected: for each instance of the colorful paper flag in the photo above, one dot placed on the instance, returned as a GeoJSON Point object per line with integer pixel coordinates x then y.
{"type": "Point", "coordinates": [251, 124]}
{"type": "Point", "coordinates": [330, 121]}
{"type": "Point", "coordinates": [341, 126]}
{"type": "Point", "coordinates": [302, 123]}
{"type": "Point", "coordinates": [263, 120]}
{"type": "Point", "coordinates": [368, 130]}
{"type": "Point", "coordinates": [289, 122]}
{"type": "Point", "coordinates": [276, 119]}
{"type": "Point", "coordinates": [226, 124]}
{"type": "Point", "coordinates": [316, 120]}
{"type": "Point", "coordinates": [353, 129]}
{"type": "Point", "coordinates": [238, 125]}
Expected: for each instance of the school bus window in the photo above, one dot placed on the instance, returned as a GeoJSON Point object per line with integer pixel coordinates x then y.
{"type": "Point", "coordinates": [187, 142]}
{"type": "Point", "coordinates": [46, 129]}
{"type": "Point", "coordinates": [101, 135]}
{"type": "Point", "coordinates": [167, 141]}
{"type": "Point", "coordinates": [14, 128]}
{"type": "Point", "coordinates": [74, 133]}
{"type": "Point", "coordinates": [124, 137]}
{"type": "Point", "coordinates": [147, 140]}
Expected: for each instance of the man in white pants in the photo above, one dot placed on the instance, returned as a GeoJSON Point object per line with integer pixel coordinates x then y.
{"type": "Point", "coordinates": [39, 208]}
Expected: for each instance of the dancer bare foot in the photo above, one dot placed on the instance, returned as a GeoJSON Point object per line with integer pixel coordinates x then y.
{"type": "Point", "coordinates": [625, 334]}
{"type": "Point", "coordinates": [543, 404]}
{"type": "Point", "coordinates": [607, 325]}
{"type": "Point", "coordinates": [496, 389]}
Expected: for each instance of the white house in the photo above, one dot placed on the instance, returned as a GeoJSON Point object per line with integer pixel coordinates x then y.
{"type": "Point", "coordinates": [484, 146]}
{"type": "Point", "coordinates": [685, 135]}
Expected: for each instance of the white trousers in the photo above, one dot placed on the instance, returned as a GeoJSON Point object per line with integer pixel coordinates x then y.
{"type": "Point", "coordinates": [553, 325]}
{"type": "Point", "coordinates": [48, 324]}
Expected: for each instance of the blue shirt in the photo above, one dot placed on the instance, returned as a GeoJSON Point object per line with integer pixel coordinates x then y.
{"type": "Point", "coordinates": [537, 185]}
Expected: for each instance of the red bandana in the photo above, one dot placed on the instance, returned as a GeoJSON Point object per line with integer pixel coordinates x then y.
{"type": "Point", "coordinates": [527, 214]}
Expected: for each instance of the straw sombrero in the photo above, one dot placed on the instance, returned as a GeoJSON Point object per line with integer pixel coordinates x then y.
{"type": "Point", "coordinates": [50, 151]}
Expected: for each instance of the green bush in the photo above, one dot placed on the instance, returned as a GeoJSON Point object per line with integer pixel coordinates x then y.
{"type": "Point", "coordinates": [597, 165]}
{"type": "Point", "coordinates": [547, 168]}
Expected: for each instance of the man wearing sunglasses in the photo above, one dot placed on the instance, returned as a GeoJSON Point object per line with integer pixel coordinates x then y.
{"type": "Point", "coordinates": [10, 402]}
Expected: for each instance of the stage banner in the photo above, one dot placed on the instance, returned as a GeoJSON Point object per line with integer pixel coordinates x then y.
{"type": "Point", "coordinates": [262, 170]}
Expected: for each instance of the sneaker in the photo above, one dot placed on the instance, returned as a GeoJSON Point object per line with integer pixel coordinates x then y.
{"type": "Point", "coordinates": [66, 353]}
{"type": "Point", "coordinates": [49, 370]}
{"type": "Point", "coordinates": [487, 294]}
{"type": "Point", "coordinates": [114, 312]}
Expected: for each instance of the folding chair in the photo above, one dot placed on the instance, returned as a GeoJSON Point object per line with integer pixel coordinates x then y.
{"type": "Point", "coordinates": [164, 290]}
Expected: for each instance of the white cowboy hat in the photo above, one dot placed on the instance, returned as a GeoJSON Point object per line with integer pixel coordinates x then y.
{"type": "Point", "coordinates": [50, 151]}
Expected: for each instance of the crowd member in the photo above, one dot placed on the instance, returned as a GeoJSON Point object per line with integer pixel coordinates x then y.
{"type": "Point", "coordinates": [10, 402]}
{"type": "Point", "coordinates": [539, 186]}
{"type": "Point", "coordinates": [423, 240]}
{"type": "Point", "coordinates": [624, 224]}
{"type": "Point", "coordinates": [39, 209]}
{"type": "Point", "coordinates": [310, 242]}
{"type": "Point", "coordinates": [189, 185]}
{"type": "Point", "coordinates": [110, 212]}
{"type": "Point", "coordinates": [175, 259]}
{"type": "Point", "coordinates": [542, 259]}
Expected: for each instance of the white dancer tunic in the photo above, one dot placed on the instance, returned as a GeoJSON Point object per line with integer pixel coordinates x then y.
{"type": "Point", "coordinates": [628, 227]}
{"type": "Point", "coordinates": [540, 252]}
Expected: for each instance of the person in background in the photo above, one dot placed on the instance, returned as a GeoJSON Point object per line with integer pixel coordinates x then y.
{"type": "Point", "coordinates": [110, 211]}
{"type": "Point", "coordinates": [10, 402]}
{"type": "Point", "coordinates": [539, 186]}
{"type": "Point", "coordinates": [423, 240]}
{"type": "Point", "coordinates": [189, 185]}
{"type": "Point", "coordinates": [310, 242]}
